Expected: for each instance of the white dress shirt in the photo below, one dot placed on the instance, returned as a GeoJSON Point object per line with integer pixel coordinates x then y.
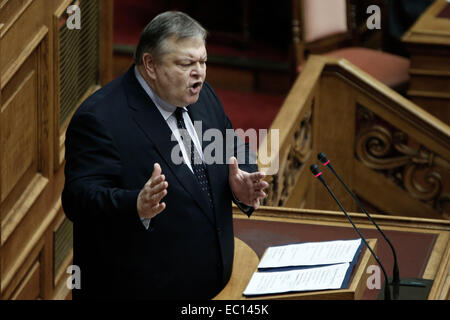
{"type": "Point", "coordinates": [168, 113]}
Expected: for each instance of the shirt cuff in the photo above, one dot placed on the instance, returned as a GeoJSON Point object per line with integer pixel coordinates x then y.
{"type": "Point", "coordinates": [146, 222]}
{"type": "Point", "coordinates": [244, 208]}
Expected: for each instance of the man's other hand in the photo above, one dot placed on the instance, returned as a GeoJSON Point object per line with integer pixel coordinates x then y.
{"type": "Point", "coordinates": [247, 187]}
{"type": "Point", "coordinates": [148, 201]}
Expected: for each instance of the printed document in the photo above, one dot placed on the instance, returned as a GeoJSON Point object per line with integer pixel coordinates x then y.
{"type": "Point", "coordinates": [320, 278]}
{"type": "Point", "coordinates": [310, 254]}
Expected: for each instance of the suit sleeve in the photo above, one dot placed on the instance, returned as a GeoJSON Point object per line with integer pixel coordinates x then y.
{"type": "Point", "coordinates": [93, 174]}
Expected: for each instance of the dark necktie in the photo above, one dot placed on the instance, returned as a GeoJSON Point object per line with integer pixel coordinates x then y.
{"type": "Point", "coordinates": [196, 161]}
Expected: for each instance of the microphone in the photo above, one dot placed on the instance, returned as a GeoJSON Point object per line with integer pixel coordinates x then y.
{"type": "Point", "coordinates": [396, 282]}
{"type": "Point", "coordinates": [396, 275]}
{"type": "Point", "coordinates": [318, 174]}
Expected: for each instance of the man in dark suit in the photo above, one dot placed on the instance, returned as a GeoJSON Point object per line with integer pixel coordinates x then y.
{"type": "Point", "coordinates": [145, 225]}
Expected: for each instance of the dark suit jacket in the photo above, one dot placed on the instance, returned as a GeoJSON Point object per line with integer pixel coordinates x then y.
{"type": "Point", "coordinates": [112, 143]}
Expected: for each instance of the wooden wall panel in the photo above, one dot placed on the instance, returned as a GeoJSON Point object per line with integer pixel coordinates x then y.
{"type": "Point", "coordinates": [13, 283]}
{"type": "Point", "coordinates": [30, 288]}
{"type": "Point", "coordinates": [18, 134]}
{"type": "Point", "coordinates": [26, 23]}
{"type": "Point", "coordinates": [422, 61]}
{"type": "Point", "coordinates": [438, 107]}
{"type": "Point", "coordinates": [436, 83]}
{"type": "Point", "coordinates": [31, 163]}
{"type": "Point", "coordinates": [10, 9]}
{"type": "Point", "coordinates": [428, 43]}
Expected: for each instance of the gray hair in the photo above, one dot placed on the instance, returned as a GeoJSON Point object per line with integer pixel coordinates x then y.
{"type": "Point", "coordinates": [168, 24]}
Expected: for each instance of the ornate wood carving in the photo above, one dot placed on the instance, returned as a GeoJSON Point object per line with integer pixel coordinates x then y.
{"type": "Point", "coordinates": [423, 174]}
{"type": "Point", "coordinates": [281, 184]}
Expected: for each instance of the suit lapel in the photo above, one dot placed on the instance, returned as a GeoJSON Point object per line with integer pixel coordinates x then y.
{"type": "Point", "coordinates": [150, 120]}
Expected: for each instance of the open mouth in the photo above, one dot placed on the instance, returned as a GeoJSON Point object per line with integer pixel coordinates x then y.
{"type": "Point", "coordinates": [197, 85]}
{"type": "Point", "coordinates": [195, 88]}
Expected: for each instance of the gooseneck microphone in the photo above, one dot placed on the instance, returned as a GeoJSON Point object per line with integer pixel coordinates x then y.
{"type": "Point", "coordinates": [318, 174]}
{"type": "Point", "coordinates": [395, 274]}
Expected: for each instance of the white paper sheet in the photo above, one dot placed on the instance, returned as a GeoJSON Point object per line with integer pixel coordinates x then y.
{"type": "Point", "coordinates": [310, 254]}
{"type": "Point", "coordinates": [320, 278]}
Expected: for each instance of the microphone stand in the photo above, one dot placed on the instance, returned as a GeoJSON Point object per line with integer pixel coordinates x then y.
{"type": "Point", "coordinates": [318, 174]}
{"type": "Point", "coordinates": [396, 280]}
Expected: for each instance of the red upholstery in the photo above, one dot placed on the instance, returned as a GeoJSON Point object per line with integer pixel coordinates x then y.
{"type": "Point", "coordinates": [389, 69]}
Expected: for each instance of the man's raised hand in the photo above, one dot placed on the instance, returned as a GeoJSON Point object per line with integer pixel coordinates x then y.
{"type": "Point", "coordinates": [247, 187]}
{"type": "Point", "coordinates": [148, 201]}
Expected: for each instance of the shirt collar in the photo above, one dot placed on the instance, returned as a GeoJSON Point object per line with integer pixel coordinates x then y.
{"type": "Point", "coordinates": [165, 108]}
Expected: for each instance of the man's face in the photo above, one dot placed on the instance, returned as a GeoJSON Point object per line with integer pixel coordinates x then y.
{"type": "Point", "coordinates": [179, 74]}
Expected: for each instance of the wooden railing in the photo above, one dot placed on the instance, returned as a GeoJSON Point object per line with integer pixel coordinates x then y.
{"type": "Point", "coordinates": [393, 154]}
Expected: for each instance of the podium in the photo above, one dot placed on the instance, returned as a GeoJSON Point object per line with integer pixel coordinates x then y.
{"type": "Point", "coordinates": [422, 245]}
{"type": "Point", "coordinates": [246, 263]}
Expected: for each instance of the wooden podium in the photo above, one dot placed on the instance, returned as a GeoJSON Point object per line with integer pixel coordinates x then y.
{"type": "Point", "coordinates": [422, 245]}
{"type": "Point", "coordinates": [246, 263]}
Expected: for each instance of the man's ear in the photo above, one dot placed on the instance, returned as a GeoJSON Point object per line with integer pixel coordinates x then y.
{"type": "Point", "coordinates": [149, 65]}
